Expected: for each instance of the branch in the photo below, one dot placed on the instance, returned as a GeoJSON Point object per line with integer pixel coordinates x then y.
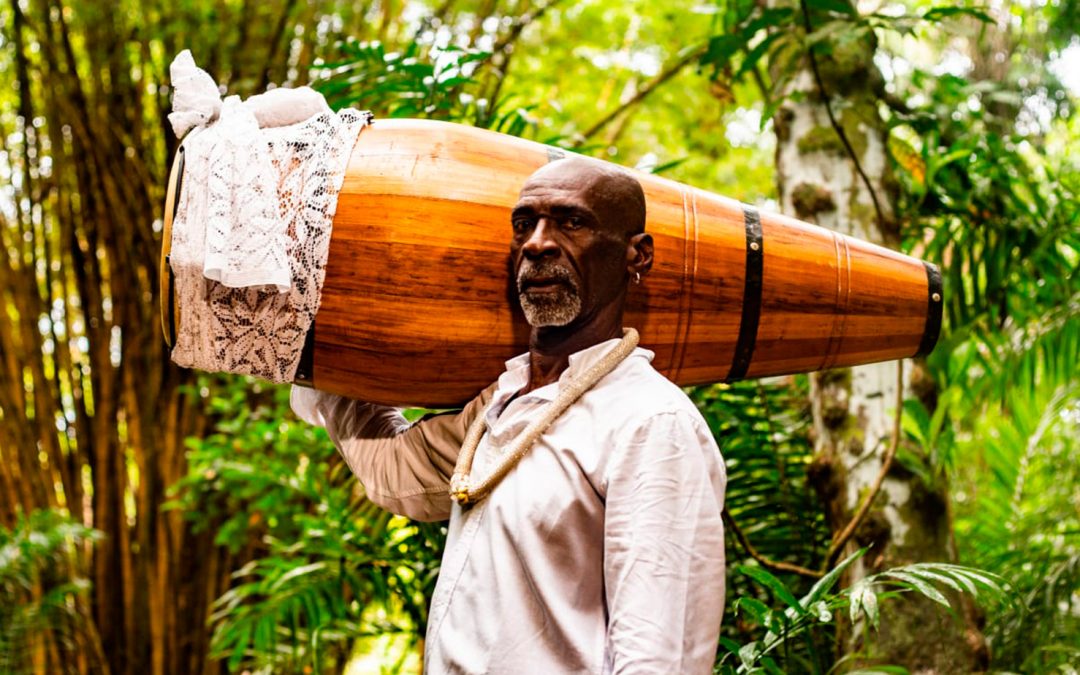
{"type": "Point", "coordinates": [642, 93]}
{"type": "Point", "coordinates": [841, 540]}
{"type": "Point", "coordinates": [501, 52]}
{"type": "Point", "coordinates": [836, 125]}
{"type": "Point", "coordinates": [277, 40]}
{"type": "Point", "coordinates": [442, 11]}
{"type": "Point", "coordinates": [519, 25]}
{"type": "Point", "coordinates": [763, 89]}
{"type": "Point", "coordinates": [773, 565]}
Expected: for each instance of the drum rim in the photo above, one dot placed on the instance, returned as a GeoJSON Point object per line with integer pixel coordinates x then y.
{"type": "Point", "coordinates": [167, 289]}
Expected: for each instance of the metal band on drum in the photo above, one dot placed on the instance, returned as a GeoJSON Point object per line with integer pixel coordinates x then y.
{"type": "Point", "coordinates": [751, 305]}
{"type": "Point", "coordinates": [934, 308]}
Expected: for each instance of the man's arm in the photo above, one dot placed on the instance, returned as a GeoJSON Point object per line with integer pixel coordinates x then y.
{"type": "Point", "coordinates": [664, 547]}
{"type": "Point", "coordinates": [404, 468]}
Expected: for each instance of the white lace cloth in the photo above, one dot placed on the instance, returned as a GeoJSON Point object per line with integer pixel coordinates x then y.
{"type": "Point", "coordinates": [252, 229]}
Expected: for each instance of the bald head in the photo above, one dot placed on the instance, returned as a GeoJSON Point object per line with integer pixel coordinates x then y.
{"type": "Point", "coordinates": [614, 195]}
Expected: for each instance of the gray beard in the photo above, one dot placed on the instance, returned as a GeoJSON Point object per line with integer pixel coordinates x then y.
{"type": "Point", "coordinates": [548, 309]}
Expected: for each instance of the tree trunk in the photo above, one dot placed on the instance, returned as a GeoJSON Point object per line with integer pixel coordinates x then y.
{"type": "Point", "coordinates": [842, 181]}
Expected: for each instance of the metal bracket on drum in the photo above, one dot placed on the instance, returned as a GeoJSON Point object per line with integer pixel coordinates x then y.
{"type": "Point", "coordinates": [305, 375]}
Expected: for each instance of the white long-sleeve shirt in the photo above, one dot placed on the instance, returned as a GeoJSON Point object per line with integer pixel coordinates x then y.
{"type": "Point", "coordinates": [602, 551]}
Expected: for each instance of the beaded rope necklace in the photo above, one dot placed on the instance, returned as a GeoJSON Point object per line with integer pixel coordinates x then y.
{"type": "Point", "coordinates": [461, 489]}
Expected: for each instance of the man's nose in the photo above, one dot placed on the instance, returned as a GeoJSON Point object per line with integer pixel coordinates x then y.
{"type": "Point", "coordinates": [541, 242]}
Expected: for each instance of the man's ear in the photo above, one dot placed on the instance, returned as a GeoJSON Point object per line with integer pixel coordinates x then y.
{"type": "Point", "coordinates": [639, 254]}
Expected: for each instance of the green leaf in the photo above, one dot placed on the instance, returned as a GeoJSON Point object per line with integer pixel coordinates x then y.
{"type": "Point", "coordinates": [974, 578]}
{"type": "Point", "coordinates": [762, 576]}
{"type": "Point", "coordinates": [825, 583]}
{"type": "Point", "coordinates": [757, 609]}
{"type": "Point", "coordinates": [947, 12]}
{"type": "Point", "coordinates": [916, 421]}
{"type": "Point", "coordinates": [729, 645]}
{"type": "Point", "coordinates": [755, 54]}
{"type": "Point", "coordinates": [771, 667]}
{"type": "Point", "coordinates": [721, 49]}
{"type": "Point", "coordinates": [863, 598]}
{"type": "Point", "coordinates": [837, 6]}
{"type": "Point", "coordinates": [919, 585]}
{"type": "Point", "coordinates": [770, 17]}
{"type": "Point", "coordinates": [928, 571]}
{"type": "Point", "coordinates": [298, 572]}
{"type": "Point", "coordinates": [664, 167]}
{"type": "Point", "coordinates": [749, 653]}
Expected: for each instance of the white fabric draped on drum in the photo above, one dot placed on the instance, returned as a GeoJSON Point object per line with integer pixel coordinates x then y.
{"type": "Point", "coordinates": [252, 228]}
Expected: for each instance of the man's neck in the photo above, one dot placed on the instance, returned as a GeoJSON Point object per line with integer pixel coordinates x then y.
{"type": "Point", "coordinates": [550, 347]}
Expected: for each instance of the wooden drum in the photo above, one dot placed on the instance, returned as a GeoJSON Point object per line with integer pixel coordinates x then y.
{"type": "Point", "coordinates": [418, 304]}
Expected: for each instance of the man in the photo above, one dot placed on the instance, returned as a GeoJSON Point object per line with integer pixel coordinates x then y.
{"type": "Point", "coordinates": [601, 550]}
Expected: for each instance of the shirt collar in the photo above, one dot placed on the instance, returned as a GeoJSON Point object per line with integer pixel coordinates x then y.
{"type": "Point", "coordinates": [516, 375]}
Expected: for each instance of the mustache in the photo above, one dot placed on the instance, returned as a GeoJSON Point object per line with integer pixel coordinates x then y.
{"type": "Point", "coordinates": [544, 270]}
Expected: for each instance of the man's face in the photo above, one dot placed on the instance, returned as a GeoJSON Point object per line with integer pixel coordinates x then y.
{"type": "Point", "coordinates": [568, 250]}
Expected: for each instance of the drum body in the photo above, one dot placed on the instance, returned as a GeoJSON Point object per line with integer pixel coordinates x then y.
{"type": "Point", "coordinates": [418, 306]}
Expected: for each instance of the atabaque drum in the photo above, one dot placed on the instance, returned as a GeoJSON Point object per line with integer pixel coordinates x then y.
{"type": "Point", "coordinates": [418, 305]}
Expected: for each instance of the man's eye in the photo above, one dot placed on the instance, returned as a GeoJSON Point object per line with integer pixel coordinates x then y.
{"type": "Point", "coordinates": [574, 222]}
{"type": "Point", "coordinates": [521, 224]}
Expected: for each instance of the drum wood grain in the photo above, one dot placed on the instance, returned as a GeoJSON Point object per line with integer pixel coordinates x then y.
{"type": "Point", "coordinates": [417, 307]}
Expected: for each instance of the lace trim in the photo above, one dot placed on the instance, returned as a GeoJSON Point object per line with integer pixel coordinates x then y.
{"type": "Point", "coordinates": [257, 208]}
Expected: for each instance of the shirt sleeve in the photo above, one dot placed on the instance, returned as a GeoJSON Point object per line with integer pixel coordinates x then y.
{"type": "Point", "coordinates": [664, 547]}
{"type": "Point", "coordinates": [404, 468]}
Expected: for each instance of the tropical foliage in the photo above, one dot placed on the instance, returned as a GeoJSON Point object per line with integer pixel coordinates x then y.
{"type": "Point", "coordinates": [325, 565]}
{"type": "Point", "coordinates": [810, 616]}
{"type": "Point", "coordinates": [155, 521]}
{"type": "Point", "coordinates": [43, 593]}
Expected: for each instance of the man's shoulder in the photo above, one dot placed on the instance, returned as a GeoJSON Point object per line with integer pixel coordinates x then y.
{"type": "Point", "coordinates": [637, 391]}
{"type": "Point", "coordinates": [637, 407]}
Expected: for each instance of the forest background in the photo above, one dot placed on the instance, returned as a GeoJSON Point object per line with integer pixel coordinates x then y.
{"type": "Point", "coordinates": [154, 520]}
